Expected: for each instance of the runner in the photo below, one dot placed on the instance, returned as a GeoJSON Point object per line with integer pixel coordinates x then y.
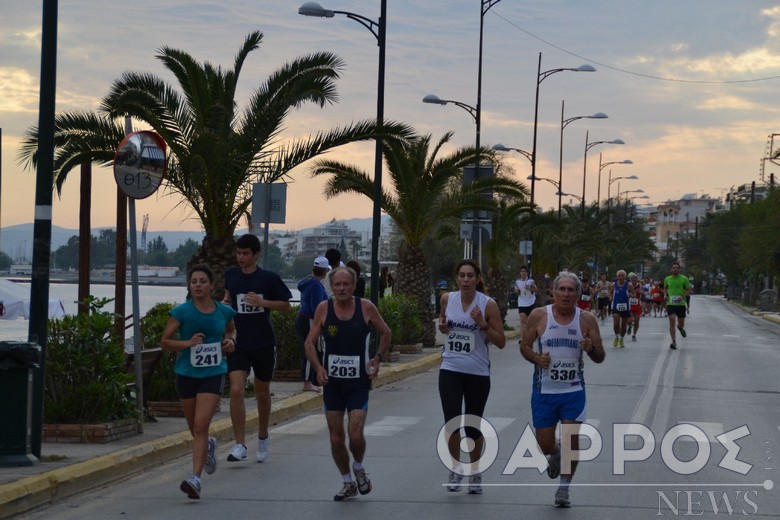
{"type": "Point", "coordinates": [312, 293]}
{"type": "Point", "coordinates": [253, 293]}
{"type": "Point", "coordinates": [471, 320]}
{"type": "Point", "coordinates": [676, 288]}
{"type": "Point", "coordinates": [657, 295]}
{"type": "Point", "coordinates": [586, 298]}
{"type": "Point", "coordinates": [345, 321]}
{"type": "Point", "coordinates": [526, 290]}
{"type": "Point", "coordinates": [206, 329]}
{"type": "Point", "coordinates": [619, 293]}
{"type": "Point", "coordinates": [635, 305]}
{"type": "Point", "coordinates": [602, 290]}
{"type": "Point", "coordinates": [554, 341]}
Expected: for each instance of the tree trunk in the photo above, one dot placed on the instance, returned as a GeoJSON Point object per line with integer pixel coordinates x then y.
{"type": "Point", "coordinates": [85, 235]}
{"type": "Point", "coordinates": [413, 277]}
{"type": "Point", "coordinates": [218, 254]}
{"type": "Point", "coordinates": [497, 289]}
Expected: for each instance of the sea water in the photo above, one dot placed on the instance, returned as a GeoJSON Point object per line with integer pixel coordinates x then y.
{"type": "Point", "coordinates": [148, 297]}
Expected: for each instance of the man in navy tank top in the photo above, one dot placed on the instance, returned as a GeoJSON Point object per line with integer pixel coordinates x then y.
{"type": "Point", "coordinates": [345, 373]}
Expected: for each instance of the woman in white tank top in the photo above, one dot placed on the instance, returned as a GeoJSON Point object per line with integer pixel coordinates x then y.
{"type": "Point", "coordinates": [471, 322]}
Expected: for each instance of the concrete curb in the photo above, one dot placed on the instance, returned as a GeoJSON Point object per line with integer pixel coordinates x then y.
{"type": "Point", "coordinates": [31, 492]}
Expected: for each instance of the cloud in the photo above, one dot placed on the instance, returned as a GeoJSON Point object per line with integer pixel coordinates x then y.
{"type": "Point", "coordinates": [20, 90]}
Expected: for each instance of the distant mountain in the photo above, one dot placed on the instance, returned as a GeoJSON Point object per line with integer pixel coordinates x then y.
{"type": "Point", "coordinates": [17, 241]}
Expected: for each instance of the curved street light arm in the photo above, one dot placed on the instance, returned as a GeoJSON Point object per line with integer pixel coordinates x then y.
{"type": "Point", "coordinates": [366, 22]}
{"type": "Point", "coordinates": [489, 4]}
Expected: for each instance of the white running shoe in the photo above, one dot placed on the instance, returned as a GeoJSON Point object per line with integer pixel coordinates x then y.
{"type": "Point", "coordinates": [454, 482]}
{"type": "Point", "coordinates": [263, 447]}
{"type": "Point", "coordinates": [191, 486]}
{"type": "Point", "coordinates": [210, 466]}
{"type": "Point", "coordinates": [237, 453]}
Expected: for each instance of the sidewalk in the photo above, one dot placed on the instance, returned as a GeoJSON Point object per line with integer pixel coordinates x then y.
{"type": "Point", "coordinates": [69, 469]}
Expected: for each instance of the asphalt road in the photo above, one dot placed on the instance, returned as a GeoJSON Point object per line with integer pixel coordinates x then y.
{"type": "Point", "coordinates": [722, 380]}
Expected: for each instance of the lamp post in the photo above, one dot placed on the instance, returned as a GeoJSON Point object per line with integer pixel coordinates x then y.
{"type": "Point", "coordinates": [588, 146]}
{"type": "Point", "coordinates": [564, 124]}
{"type": "Point", "coordinates": [501, 148]}
{"type": "Point", "coordinates": [601, 167]}
{"type": "Point", "coordinates": [551, 181]}
{"type": "Point", "coordinates": [611, 180]}
{"type": "Point", "coordinates": [561, 194]}
{"type": "Point", "coordinates": [436, 100]}
{"type": "Point", "coordinates": [541, 76]}
{"type": "Point", "coordinates": [378, 29]}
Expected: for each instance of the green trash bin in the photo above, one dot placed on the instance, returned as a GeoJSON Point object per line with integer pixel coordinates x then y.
{"type": "Point", "coordinates": [18, 360]}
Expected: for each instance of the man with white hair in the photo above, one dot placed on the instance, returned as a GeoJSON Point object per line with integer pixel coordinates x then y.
{"type": "Point", "coordinates": [553, 340]}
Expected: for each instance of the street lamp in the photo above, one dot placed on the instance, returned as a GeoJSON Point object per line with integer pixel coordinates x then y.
{"type": "Point", "coordinates": [564, 124]}
{"type": "Point", "coordinates": [588, 146]}
{"type": "Point", "coordinates": [601, 167]}
{"type": "Point", "coordinates": [501, 148]}
{"type": "Point", "coordinates": [433, 99]}
{"type": "Point", "coordinates": [541, 76]}
{"type": "Point", "coordinates": [378, 29]}
{"type": "Point", "coordinates": [611, 180]}
{"type": "Point", "coordinates": [561, 194]}
{"type": "Point", "coordinates": [533, 178]}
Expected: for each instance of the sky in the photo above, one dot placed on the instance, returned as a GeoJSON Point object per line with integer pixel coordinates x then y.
{"type": "Point", "coordinates": [689, 85]}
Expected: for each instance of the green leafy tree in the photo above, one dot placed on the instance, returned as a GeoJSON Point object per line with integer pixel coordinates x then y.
{"type": "Point", "coordinates": [427, 189]}
{"type": "Point", "coordinates": [216, 150]}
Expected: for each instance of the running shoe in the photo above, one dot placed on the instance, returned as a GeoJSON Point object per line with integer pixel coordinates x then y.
{"type": "Point", "coordinates": [210, 466]}
{"type": "Point", "coordinates": [554, 464]}
{"type": "Point", "coordinates": [673, 346]}
{"type": "Point", "coordinates": [682, 332]}
{"type": "Point", "coordinates": [615, 342]}
{"type": "Point", "coordinates": [454, 482]}
{"type": "Point", "coordinates": [622, 343]}
{"type": "Point", "coordinates": [191, 486]}
{"type": "Point", "coordinates": [475, 484]}
{"type": "Point", "coordinates": [361, 479]}
{"type": "Point", "coordinates": [237, 453]}
{"type": "Point", "coordinates": [562, 498]}
{"type": "Point", "coordinates": [633, 337]}
{"type": "Point", "coordinates": [263, 447]}
{"type": "Point", "coordinates": [349, 490]}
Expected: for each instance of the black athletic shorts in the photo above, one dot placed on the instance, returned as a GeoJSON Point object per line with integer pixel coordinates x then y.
{"type": "Point", "coordinates": [261, 361]}
{"type": "Point", "coordinates": [189, 387]}
{"type": "Point", "coordinates": [677, 310]}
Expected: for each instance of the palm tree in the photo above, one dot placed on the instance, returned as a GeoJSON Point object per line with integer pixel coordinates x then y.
{"type": "Point", "coordinates": [216, 151]}
{"type": "Point", "coordinates": [508, 228]}
{"type": "Point", "coordinates": [427, 190]}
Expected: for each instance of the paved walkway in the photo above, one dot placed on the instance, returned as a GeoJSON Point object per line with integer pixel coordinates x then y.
{"type": "Point", "coordinates": [67, 469]}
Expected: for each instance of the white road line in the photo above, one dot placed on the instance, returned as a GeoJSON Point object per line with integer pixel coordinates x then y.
{"type": "Point", "coordinates": [390, 425]}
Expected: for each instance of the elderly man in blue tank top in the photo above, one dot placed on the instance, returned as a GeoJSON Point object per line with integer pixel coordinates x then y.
{"type": "Point", "coordinates": [554, 340]}
{"type": "Point", "coordinates": [346, 371]}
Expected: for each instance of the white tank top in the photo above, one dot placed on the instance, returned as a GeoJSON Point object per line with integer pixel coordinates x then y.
{"type": "Point", "coordinates": [465, 347]}
{"type": "Point", "coordinates": [526, 298]}
{"type": "Point", "coordinates": [563, 344]}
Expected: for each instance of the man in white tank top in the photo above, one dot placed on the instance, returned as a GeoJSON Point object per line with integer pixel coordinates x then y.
{"type": "Point", "coordinates": [553, 340]}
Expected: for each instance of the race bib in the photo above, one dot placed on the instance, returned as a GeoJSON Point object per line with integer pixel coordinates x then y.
{"type": "Point", "coordinates": [343, 367]}
{"type": "Point", "coordinates": [633, 301]}
{"type": "Point", "coordinates": [620, 307]}
{"type": "Point", "coordinates": [564, 370]}
{"type": "Point", "coordinates": [244, 308]}
{"type": "Point", "coordinates": [675, 300]}
{"type": "Point", "coordinates": [523, 287]}
{"type": "Point", "coordinates": [585, 297]}
{"type": "Point", "coordinates": [460, 342]}
{"type": "Point", "coordinates": [206, 355]}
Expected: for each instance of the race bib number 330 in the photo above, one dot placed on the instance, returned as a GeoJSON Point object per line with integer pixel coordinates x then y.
{"type": "Point", "coordinates": [206, 355]}
{"type": "Point", "coordinates": [564, 370]}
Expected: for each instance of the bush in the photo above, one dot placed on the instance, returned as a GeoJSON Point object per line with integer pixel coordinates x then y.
{"type": "Point", "coordinates": [288, 351]}
{"type": "Point", "coordinates": [162, 385]}
{"type": "Point", "coordinates": [402, 314]}
{"type": "Point", "coordinates": [85, 377]}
